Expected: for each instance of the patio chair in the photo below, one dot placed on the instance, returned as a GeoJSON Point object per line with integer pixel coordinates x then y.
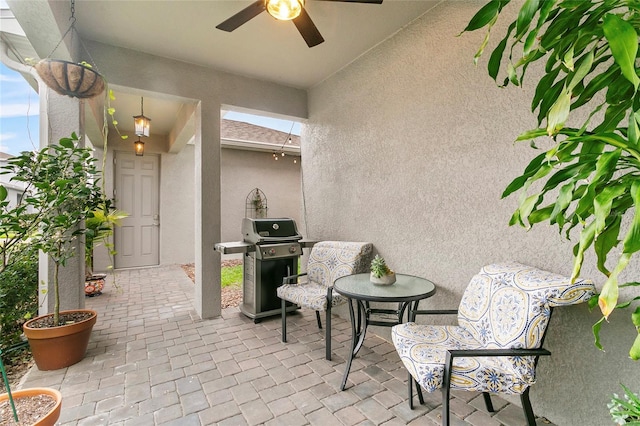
{"type": "Point", "coordinates": [328, 261]}
{"type": "Point", "coordinates": [502, 319]}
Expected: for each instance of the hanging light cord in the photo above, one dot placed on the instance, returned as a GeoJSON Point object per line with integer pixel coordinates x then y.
{"type": "Point", "coordinates": [72, 29]}
{"type": "Point", "coordinates": [288, 136]}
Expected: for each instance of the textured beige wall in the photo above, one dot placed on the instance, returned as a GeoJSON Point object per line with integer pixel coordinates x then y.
{"type": "Point", "coordinates": [177, 202]}
{"type": "Point", "coordinates": [242, 171]}
{"type": "Point", "coordinates": [410, 147]}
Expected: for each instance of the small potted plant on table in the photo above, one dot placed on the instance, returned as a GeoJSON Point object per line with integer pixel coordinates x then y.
{"type": "Point", "coordinates": [380, 272]}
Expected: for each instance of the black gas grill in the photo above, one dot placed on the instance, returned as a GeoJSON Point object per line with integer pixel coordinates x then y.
{"type": "Point", "coordinates": [272, 248]}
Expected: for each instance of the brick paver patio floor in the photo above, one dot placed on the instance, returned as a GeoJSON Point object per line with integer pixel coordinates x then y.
{"type": "Point", "coordinates": [152, 361]}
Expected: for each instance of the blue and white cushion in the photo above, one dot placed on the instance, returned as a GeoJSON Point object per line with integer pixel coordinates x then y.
{"type": "Point", "coordinates": [506, 305]}
{"type": "Point", "coordinates": [328, 261]}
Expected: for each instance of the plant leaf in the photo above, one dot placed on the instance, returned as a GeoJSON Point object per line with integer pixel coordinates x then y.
{"type": "Point", "coordinates": [66, 142]}
{"type": "Point", "coordinates": [609, 294]}
{"type": "Point", "coordinates": [596, 333]}
{"type": "Point", "coordinates": [525, 16]}
{"type": "Point", "coordinates": [632, 239]}
{"type": "Point", "coordinates": [623, 41]}
{"type": "Point", "coordinates": [635, 317]}
{"type": "Point", "coordinates": [558, 113]}
{"type": "Point", "coordinates": [493, 66]}
{"type": "Point", "coordinates": [484, 16]}
{"type": "Point", "coordinates": [586, 238]}
{"type": "Point", "coordinates": [602, 204]}
{"type": "Point", "coordinates": [583, 69]}
{"type": "Point", "coordinates": [562, 202]}
{"type": "Point", "coordinates": [605, 242]}
{"type": "Point", "coordinates": [634, 352]}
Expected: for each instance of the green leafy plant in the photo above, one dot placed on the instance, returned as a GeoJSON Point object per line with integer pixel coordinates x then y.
{"type": "Point", "coordinates": [98, 230]}
{"type": "Point", "coordinates": [625, 411]}
{"type": "Point", "coordinates": [61, 187]}
{"type": "Point", "coordinates": [379, 267]}
{"type": "Point", "coordinates": [589, 176]}
{"type": "Point", "coordinates": [18, 295]}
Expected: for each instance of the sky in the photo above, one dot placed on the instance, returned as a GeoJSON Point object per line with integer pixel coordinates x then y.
{"type": "Point", "coordinates": [19, 115]}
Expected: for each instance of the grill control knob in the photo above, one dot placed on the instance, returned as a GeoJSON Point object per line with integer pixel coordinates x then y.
{"type": "Point", "coordinates": [272, 252]}
{"type": "Point", "coordinates": [292, 249]}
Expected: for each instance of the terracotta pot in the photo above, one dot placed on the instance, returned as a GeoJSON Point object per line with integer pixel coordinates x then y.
{"type": "Point", "coordinates": [52, 417]}
{"type": "Point", "coordinates": [59, 347]}
{"type": "Point", "coordinates": [70, 79]}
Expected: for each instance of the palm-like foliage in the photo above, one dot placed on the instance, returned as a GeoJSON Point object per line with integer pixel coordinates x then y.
{"type": "Point", "coordinates": [590, 176]}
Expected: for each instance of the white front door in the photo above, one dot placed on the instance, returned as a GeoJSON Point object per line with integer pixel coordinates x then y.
{"type": "Point", "coordinates": [136, 193]}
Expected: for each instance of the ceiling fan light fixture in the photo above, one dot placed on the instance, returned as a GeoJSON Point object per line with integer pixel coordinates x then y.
{"type": "Point", "coordinates": [284, 10]}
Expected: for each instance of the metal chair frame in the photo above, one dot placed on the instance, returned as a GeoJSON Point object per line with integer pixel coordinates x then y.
{"type": "Point", "coordinates": [457, 353]}
{"type": "Point", "coordinates": [292, 280]}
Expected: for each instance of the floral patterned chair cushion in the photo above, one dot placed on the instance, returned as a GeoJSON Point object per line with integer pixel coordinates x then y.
{"type": "Point", "coordinates": [506, 305]}
{"type": "Point", "coordinates": [328, 261]}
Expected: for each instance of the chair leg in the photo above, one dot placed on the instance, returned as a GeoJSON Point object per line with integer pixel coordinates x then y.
{"type": "Point", "coordinates": [526, 406]}
{"type": "Point", "coordinates": [445, 405]}
{"type": "Point", "coordinates": [410, 381]}
{"type": "Point", "coordinates": [318, 320]}
{"type": "Point", "coordinates": [284, 321]}
{"type": "Point", "coordinates": [327, 324]}
{"type": "Point", "coordinates": [419, 392]}
{"type": "Point", "coordinates": [446, 387]}
{"type": "Point", "coordinates": [487, 402]}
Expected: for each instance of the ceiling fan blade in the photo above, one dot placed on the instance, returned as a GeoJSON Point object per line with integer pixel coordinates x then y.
{"type": "Point", "coordinates": [357, 1]}
{"type": "Point", "coordinates": [242, 17]}
{"type": "Point", "coordinates": [308, 29]}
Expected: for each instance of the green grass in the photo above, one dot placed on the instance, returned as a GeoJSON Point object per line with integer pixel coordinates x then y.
{"type": "Point", "coordinates": [231, 276]}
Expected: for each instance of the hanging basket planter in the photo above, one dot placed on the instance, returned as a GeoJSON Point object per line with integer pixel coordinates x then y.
{"type": "Point", "coordinates": [70, 79]}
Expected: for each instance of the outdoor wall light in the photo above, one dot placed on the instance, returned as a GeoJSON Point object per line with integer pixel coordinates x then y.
{"type": "Point", "coordinates": [138, 146]}
{"type": "Point", "coordinates": [284, 10]}
{"type": "Point", "coordinates": [141, 123]}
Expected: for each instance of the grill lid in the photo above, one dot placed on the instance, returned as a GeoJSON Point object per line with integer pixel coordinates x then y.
{"type": "Point", "coordinates": [260, 231]}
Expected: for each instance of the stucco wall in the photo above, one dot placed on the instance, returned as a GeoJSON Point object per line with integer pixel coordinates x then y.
{"type": "Point", "coordinates": [177, 206]}
{"type": "Point", "coordinates": [241, 172]}
{"type": "Point", "coordinates": [410, 147]}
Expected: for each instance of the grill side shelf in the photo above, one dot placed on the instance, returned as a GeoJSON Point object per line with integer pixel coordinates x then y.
{"type": "Point", "coordinates": [235, 247]}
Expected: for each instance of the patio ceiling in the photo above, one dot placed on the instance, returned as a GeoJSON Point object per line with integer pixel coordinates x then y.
{"type": "Point", "coordinates": [263, 48]}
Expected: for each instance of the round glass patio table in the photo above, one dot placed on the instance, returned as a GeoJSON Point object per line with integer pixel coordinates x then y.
{"type": "Point", "coordinates": [407, 292]}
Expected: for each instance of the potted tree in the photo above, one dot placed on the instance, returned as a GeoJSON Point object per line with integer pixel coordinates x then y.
{"type": "Point", "coordinates": [62, 184]}
{"type": "Point", "coordinates": [18, 230]}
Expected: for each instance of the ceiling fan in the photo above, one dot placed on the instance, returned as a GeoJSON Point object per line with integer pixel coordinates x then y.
{"type": "Point", "coordinates": [284, 10]}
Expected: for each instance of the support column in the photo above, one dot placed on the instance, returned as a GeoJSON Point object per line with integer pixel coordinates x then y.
{"type": "Point", "coordinates": [59, 117]}
{"type": "Point", "coordinates": [207, 209]}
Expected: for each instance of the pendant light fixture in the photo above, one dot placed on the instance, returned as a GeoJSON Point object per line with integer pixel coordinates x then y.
{"type": "Point", "coordinates": [142, 124]}
{"type": "Point", "coordinates": [138, 146]}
